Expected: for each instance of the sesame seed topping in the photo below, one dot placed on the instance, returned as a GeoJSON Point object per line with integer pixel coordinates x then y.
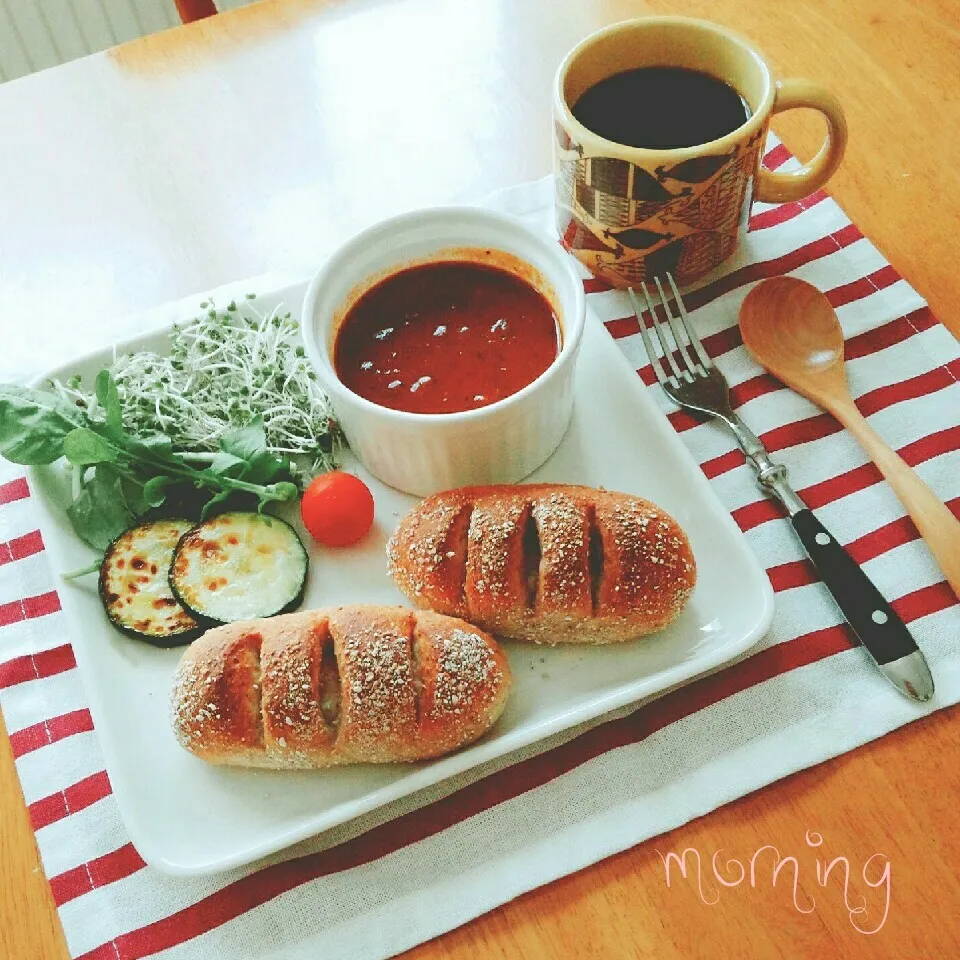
{"type": "Point", "coordinates": [376, 672]}
{"type": "Point", "coordinates": [466, 669]}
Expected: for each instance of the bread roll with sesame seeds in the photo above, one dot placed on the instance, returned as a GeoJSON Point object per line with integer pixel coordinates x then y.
{"type": "Point", "coordinates": [357, 684]}
{"type": "Point", "coordinates": [546, 563]}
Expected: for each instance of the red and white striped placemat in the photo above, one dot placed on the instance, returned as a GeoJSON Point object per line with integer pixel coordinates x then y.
{"type": "Point", "coordinates": [377, 886]}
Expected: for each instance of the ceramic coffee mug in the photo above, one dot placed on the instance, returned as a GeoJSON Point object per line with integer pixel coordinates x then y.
{"type": "Point", "coordinates": [632, 213]}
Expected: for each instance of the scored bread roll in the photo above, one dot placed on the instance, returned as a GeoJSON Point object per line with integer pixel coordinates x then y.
{"type": "Point", "coordinates": [356, 684]}
{"type": "Point", "coordinates": [548, 563]}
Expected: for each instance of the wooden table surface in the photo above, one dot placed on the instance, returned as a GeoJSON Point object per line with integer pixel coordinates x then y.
{"type": "Point", "coordinates": [256, 141]}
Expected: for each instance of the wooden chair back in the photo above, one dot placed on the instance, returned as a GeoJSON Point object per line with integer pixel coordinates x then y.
{"type": "Point", "coordinates": [191, 10]}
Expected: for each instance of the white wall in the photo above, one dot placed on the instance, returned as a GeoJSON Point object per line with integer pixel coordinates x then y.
{"type": "Point", "coordinates": [35, 34]}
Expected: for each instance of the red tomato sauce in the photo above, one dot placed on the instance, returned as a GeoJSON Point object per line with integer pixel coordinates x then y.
{"type": "Point", "coordinates": [446, 337]}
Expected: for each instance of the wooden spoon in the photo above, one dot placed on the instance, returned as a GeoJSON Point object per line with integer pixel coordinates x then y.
{"type": "Point", "coordinates": [791, 329]}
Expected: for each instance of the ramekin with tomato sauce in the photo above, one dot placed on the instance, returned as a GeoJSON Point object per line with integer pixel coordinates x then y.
{"type": "Point", "coordinates": [446, 340]}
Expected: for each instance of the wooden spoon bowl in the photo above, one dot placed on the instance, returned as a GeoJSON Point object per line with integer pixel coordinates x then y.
{"type": "Point", "coordinates": [790, 328]}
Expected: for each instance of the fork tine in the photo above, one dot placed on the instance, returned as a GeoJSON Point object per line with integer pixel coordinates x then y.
{"type": "Point", "coordinates": [648, 346]}
{"type": "Point", "coordinates": [660, 328]}
{"type": "Point", "coordinates": [688, 326]}
{"type": "Point", "coordinates": [683, 348]}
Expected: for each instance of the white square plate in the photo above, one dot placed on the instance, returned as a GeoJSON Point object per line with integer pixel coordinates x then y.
{"type": "Point", "coordinates": [186, 817]}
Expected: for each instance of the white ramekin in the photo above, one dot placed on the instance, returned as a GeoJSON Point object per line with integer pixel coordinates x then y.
{"type": "Point", "coordinates": [422, 453]}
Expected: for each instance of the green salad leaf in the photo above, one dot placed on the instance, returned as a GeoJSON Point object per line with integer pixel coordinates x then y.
{"type": "Point", "coordinates": [248, 446]}
{"type": "Point", "coordinates": [100, 513]}
{"type": "Point", "coordinates": [83, 447]}
{"type": "Point", "coordinates": [120, 475]}
{"type": "Point", "coordinates": [34, 424]}
{"type": "Point", "coordinates": [108, 397]}
{"type": "Point", "coordinates": [155, 490]}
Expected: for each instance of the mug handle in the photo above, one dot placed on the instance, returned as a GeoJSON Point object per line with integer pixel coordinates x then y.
{"type": "Point", "coordinates": [775, 187]}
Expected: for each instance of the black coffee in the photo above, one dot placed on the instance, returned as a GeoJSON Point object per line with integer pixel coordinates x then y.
{"type": "Point", "coordinates": [661, 108]}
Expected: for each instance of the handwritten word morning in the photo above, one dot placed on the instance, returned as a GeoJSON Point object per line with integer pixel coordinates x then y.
{"type": "Point", "coordinates": [767, 865]}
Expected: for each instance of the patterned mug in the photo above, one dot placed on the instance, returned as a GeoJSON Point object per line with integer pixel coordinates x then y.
{"type": "Point", "coordinates": [630, 213]}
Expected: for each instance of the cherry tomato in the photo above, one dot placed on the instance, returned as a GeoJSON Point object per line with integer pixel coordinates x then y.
{"type": "Point", "coordinates": [337, 509]}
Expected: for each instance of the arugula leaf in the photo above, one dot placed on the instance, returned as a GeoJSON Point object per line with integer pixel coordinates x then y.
{"type": "Point", "coordinates": [266, 467]}
{"type": "Point", "coordinates": [100, 514]}
{"type": "Point", "coordinates": [150, 446]}
{"type": "Point", "coordinates": [212, 502]}
{"type": "Point", "coordinates": [281, 491]}
{"type": "Point", "coordinates": [33, 424]}
{"type": "Point", "coordinates": [245, 442]}
{"type": "Point", "coordinates": [131, 486]}
{"type": "Point", "coordinates": [154, 490]}
{"type": "Point", "coordinates": [227, 465]}
{"type": "Point", "coordinates": [269, 493]}
{"type": "Point", "coordinates": [109, 400]}
{"type": "Point", "coordinates": [249, 444]}
{"type": "Point", "coordinates": [83, 447]}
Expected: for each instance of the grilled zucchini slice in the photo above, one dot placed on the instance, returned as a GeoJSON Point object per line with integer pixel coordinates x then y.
{"type": "Point", "coordinates": [135, 588]}
{"type": "Point", "coordinates": [238, 566]}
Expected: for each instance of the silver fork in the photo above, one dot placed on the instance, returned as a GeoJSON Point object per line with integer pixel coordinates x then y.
{"type": "Point", "coordinates": [690, 378]}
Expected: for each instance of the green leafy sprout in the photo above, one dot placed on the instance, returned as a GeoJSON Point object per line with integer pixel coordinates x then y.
{"type": "Point", "coordinates": [225, 369]}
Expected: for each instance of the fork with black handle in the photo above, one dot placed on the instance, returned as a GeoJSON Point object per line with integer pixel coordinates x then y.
{"type": "Point", "coordinates": [688, 376]}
